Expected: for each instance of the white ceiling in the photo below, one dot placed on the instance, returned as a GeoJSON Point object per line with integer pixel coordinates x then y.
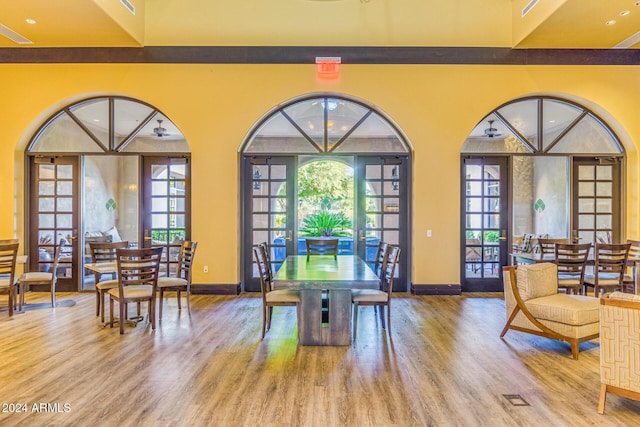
{"type": "Point", "coordinates": [486, 23]}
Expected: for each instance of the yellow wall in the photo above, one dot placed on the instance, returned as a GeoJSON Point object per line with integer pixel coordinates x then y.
{"type": "Point", "coordinates": [216, 105]}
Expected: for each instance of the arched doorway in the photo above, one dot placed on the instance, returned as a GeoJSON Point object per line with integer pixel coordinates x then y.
{"type": "Point", "coordinates": [541, 166]}
{"type": "Point", "coordinates": [315, 128]}
{"type": "Point", "coordinates": [105, 169]}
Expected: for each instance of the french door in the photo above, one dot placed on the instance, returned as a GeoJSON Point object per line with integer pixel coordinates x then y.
{"type": "Point", "coordinates": [596, 200]}
{"type": "Point", "coordinates": [53, 217]}
{"type": "Point", "coordinates": [269, 213]}
{"type": "Point", "coordinates": [166, 206]}
{"type": "Point", "coordinates": [484, 223]}
{"type": "Point", "coordinates": [382, 210]}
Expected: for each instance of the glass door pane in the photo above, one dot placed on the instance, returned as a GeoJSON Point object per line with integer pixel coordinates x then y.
{"type": "Point", "coordinates": [54, 210]}
{"type": "Point", "coordinates": [382, 210]}
{"type": "Point", "coordinates": [110, 200]}
{"type": "Point", "coordinates": [269, 213]}
{"type": "Point", "coordinates": [484, 223]}
{"type": "Point", "coordinates": [596, 200]}
{"type": "Point", "coordinates": [166, 210]}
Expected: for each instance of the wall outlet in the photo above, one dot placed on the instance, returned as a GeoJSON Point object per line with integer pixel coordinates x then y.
{"type": "Point", "coordinates": [206, 268]}
{"type": "Point", "coordinates": [428, 233]}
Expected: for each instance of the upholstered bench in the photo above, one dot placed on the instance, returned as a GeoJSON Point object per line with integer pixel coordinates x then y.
{"type": "Point", "coordinates": [535, 306]}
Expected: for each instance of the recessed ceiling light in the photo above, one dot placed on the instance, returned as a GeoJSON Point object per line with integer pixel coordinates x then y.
{"type": "Point", "coordinates": [624, 13]}
{"type": "Point", "coordinates": [611, 22]}
{"type": "Point", "coordinates": [637, 3]}
{"type": "Point", "coordinates": [30, 21]}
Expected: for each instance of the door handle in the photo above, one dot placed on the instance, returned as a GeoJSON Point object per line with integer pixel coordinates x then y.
{"type": "Point", "coordinates": [288, 235]}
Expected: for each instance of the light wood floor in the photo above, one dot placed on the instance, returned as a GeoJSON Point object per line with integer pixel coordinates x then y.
{"type": "Point", "coordinates": [444, 366]}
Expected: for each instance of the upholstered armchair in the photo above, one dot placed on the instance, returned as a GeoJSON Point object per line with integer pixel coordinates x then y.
{"type": "Point", "coordinates": [619, 346]}
{"type": "Point", "coordinates": [534, 306]}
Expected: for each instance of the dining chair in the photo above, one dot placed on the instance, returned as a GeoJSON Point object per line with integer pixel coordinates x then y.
{"type": "Point", "coordinates": [271, 298]}
{"type": "Point", "coordinates": [380, 254]}
{"type": "Point", "coordinates": [103, 252]}
{"type": "Point", "coordinates": [267, 257]}
{"type": "Point", "coordinates": [633, 261]}
{"type": "Point", "coordinates": [609, 269]}
{"type": "Point", "coordinates": [571, 260]}
{"type": "Point", "coordinates": [181, 282]}
{"type": "Point", "coordinates": [378, 297]}
{"type": "Point", "coordinates": [8, 255]}
{"type": "Point", "coordinates": [547, 246]}
{"type": "Point", "coordinates": [322, 247]}
{"type": "Point", "coordinates": [34, 278]}
{"type": "Point", "coordinates": [137, 282]}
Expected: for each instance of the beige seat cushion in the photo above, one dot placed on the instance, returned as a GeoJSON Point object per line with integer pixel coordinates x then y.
{"type": "Point", "coordinates": [368, 295]}
{"type": "Point", "coordinates": [35, 276]}
{"type": "Point", "coordinates": [283, 295]}
{"type": "Point", "coordinates": [134, 291]}
{"type": "Point", "coordinates": [575, 310]}
{"type": "Point", "coordinates": [107, 284]}
{"type": "Point", "coordinates": [603, 279]}
{"type": "Point", "coordinates": [170, 282]}
{"type": "Point", "coordinates": [537, 280]}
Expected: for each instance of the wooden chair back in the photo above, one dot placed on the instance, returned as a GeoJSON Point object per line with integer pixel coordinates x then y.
{"type": "Point", "coordinates": [105, 252]}
{"type": "Point", "coordinates": [185, 260]}
{"type": "Point", "coordinates": [267, 257]}
{"type": "Point", "coordinates": [634, 254]}
{"type": "Point", "coordinates": [388, 270]}
{"type": "Point", "coordinates": [8, 256]}
{"type": "Point", "coordinates": [547, 246]}
{"type": "Point", "coordinates": [612, 258]}
{"type": "Point", "coordinates": [634, 249]}
{"type": "Point", "coordinates": [322, 247]}
{"type": "Point", "coordinates": [380, 255]}
{"type": "Point", "coordinates": [138, 266]}
{"type": "Point", "coordinates": [263, 270]}
{"type": "Point", "coordinates": [572, 258]}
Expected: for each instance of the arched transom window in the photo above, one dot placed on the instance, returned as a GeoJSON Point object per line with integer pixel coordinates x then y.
{"type": "Point", "coordinates": [325, 124]}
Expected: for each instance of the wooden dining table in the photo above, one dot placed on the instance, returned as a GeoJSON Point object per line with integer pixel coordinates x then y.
{"type": "Point", "coordinates": [325, 284]}
{"type": "Point", "coordinates": [102, 267]}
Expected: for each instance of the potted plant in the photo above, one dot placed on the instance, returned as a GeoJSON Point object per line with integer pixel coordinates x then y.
{"type": "Point", "coordinates": [326, 224]}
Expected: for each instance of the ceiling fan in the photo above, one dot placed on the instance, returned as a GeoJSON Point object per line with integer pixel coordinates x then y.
{"type": "Point", "coordinates": [491, 132]}
{"type": "Point", "coordinates": [160, 131]}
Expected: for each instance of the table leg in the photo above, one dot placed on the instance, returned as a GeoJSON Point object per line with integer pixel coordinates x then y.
{"type": "Point", "coordinates": [311, 329]}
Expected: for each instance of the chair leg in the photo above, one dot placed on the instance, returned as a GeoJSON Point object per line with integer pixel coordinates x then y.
{"type": "Point", "coordinates": [269, 314]}
{"type": "Point", "coordinates": [188, 294]}
{"type": "Point", "coordinates": [103, 294]}
{"type": "Point", "coordinates": [110, 312]}
{"type": "Point", "coordinates": [603, 398]}
{"type": "Point", "coordinates": [382, 317]}
{"type": "Point", "coordinates": [160, 303]}
{"type": "Point", "coordinates": [355, 320]}
{"type": "Point", "coordinates": [388, 319]}
{"type": "Point", "coordinates": [152, 312]}
{"type": "Point", "coordinates": [12, 299]}
{"type": "Point", "coordinates": [178, 296]}
{"type": "Point", "coordinates": [575, 349]}
{"type": "Point", "coordinates": [97, 302]}
{"type": "Point", "coordinates": [123, 315]}
{"type": "Point", "coordinates": [264, 320]}
{"type": "Point", "coordinates": [53, 295]}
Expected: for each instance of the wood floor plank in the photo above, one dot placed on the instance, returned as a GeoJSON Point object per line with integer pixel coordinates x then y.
{"type": "Point", "coordinates": [444, 365]}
